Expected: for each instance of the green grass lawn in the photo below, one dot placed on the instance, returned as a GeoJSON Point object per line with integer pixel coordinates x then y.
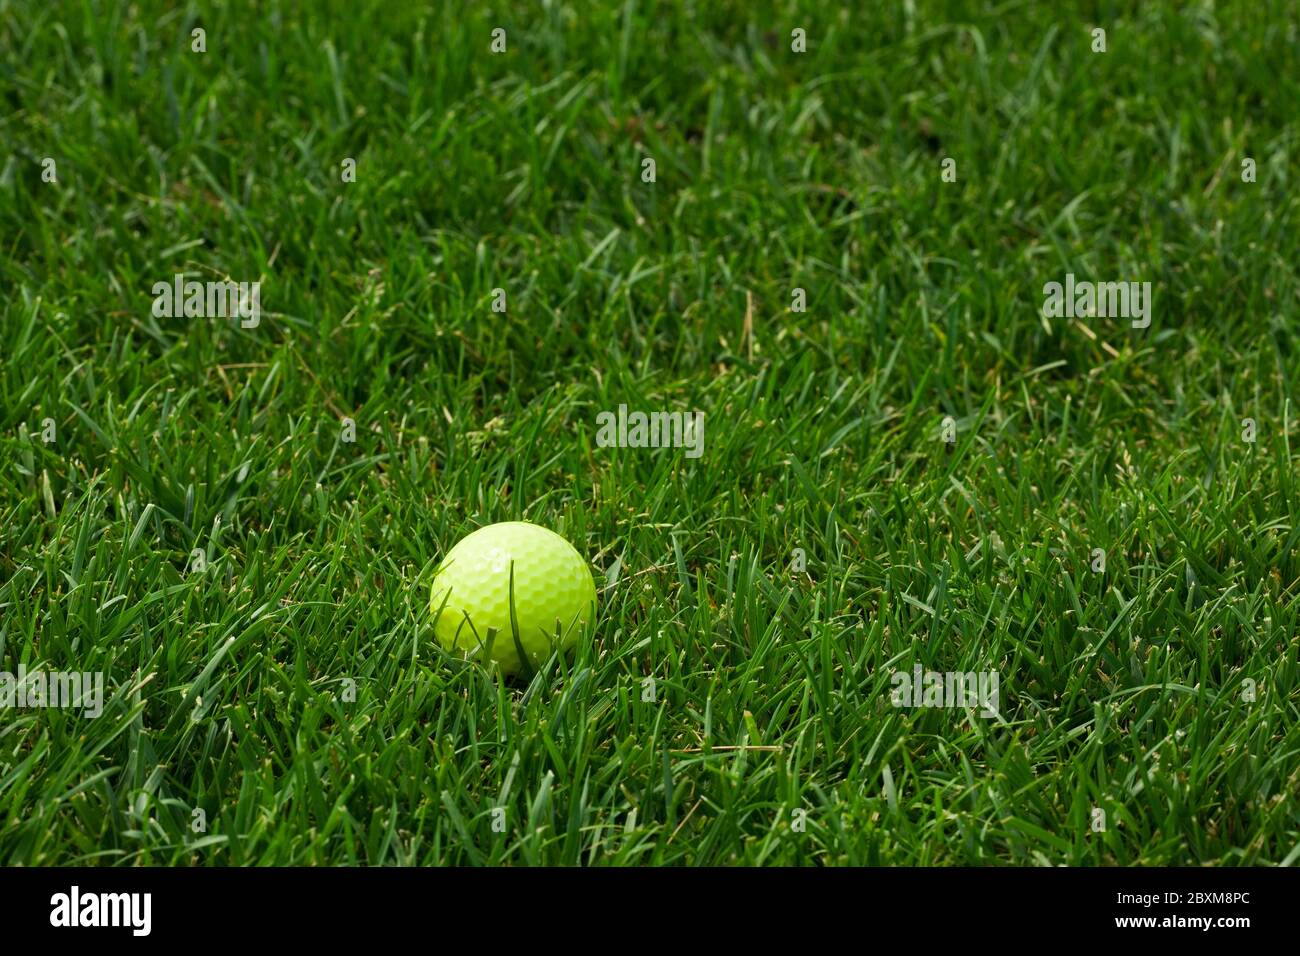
{"type": "Point", "coordinates": [732, 704]}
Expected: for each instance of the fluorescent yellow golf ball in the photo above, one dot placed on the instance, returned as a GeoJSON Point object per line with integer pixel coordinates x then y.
{"type": "Point", "coordinates": [554, 594]}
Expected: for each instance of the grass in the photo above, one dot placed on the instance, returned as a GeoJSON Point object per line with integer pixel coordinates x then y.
{"type": "Point", "coordinates": [227, 690]}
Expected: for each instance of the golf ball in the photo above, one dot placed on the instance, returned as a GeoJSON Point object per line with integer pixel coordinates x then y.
{"type": "Point", "coordinates": [554, 594]}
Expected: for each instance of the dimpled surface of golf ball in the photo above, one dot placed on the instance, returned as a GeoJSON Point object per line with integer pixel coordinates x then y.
{"type": "Point", "coordinates": [552, 582]}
